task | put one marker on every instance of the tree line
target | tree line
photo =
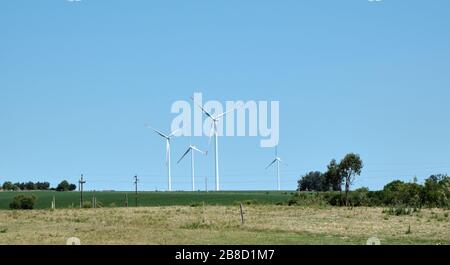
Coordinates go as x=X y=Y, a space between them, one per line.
x=34 y=186
x=327 y=186
x=337 y=175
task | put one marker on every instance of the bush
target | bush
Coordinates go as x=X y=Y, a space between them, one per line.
x=23 y=202
x=196 y=204
x=308 y=198
x=359 y=197
x=87 y=204
x=401 y=210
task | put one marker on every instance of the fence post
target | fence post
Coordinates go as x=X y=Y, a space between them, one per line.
x=242 y=213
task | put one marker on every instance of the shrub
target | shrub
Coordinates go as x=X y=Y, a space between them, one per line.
x=399 y=210
x=308 y=198
x=23 y=202
x=196 y=204
x=87 y=204
x=359 y=197
x=333 y=198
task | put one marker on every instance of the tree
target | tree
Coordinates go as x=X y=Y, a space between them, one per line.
x=20 y=186
x=30 y=186
x=397 y=192
x=333 y=176
x=350 y=167
x=42 y=185
x=66 y=186
x=63 y=186
x=72 y=187
x=313 y=181
x=436 y=191
x=8 y=186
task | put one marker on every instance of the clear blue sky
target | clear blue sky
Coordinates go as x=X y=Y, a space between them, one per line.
x=78 y=81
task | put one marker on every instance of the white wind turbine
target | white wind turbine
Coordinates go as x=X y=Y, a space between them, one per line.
x=277 y=161
x=215 y=120
x=167 y=138
x=192 y=149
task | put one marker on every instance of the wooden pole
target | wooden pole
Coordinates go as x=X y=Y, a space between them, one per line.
x=242 y=213
x=136 y=190
x=81 y=182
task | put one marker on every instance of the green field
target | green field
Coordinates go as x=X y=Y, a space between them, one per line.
x=117 y=199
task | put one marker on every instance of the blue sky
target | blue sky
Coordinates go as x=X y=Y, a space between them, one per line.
x=78 y=82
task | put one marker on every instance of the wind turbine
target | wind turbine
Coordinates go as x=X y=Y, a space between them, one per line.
x=215 y=120
x=167 y=138
x=277 y=161
x=192 y=149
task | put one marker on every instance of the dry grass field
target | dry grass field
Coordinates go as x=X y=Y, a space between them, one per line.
x=268 y=224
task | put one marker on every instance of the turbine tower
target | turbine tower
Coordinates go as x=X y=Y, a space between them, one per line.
x=277 y=160
x=192 y=149
x=215 y=119
x=167 y=138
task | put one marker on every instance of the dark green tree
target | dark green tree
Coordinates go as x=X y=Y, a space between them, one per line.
x=313 y=181
x=42 y=185
x=63 y=186
x=72 y=187
x=8 y=186
x=350 y=167
x=436 y=190
x=333 y=176
x=30 y=186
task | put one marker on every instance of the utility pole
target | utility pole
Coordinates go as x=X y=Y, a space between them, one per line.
x=136 y=189
x=80 y=186
x=94 y=201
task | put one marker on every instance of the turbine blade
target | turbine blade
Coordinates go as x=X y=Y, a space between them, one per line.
x=184 y=155
x=158 y=132
x=198 y=150
x=225 y=113
x=273 y=162
x=173 y=133
x=239 y=105
x=204 y=111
